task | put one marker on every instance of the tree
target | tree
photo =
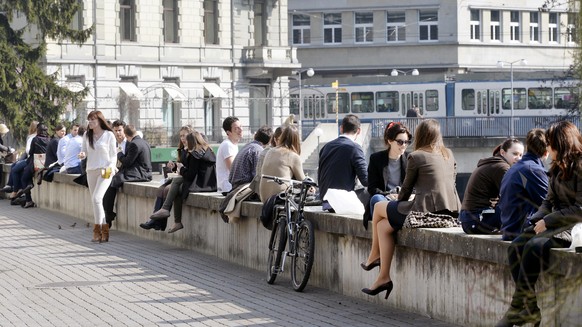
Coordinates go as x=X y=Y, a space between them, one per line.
x=27 y=92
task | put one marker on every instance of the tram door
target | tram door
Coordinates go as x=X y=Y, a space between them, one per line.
x=418 y=101
x=488 y=102
x=314 y=107
x=412 y=99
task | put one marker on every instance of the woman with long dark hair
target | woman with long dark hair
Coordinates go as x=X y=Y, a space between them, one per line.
x=99 y=147
x=550 y=227
x=430 y=172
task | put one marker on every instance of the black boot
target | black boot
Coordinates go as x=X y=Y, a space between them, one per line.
x=148 y=225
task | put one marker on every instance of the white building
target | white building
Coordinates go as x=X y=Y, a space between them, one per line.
x=444 y=37
x=167 y=63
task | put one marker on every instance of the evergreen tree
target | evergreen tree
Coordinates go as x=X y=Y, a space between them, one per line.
x=27 y=92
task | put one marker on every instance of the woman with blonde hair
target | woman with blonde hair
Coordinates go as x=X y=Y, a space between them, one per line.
x=431 y=173
x=282 y=161
x=99 y=147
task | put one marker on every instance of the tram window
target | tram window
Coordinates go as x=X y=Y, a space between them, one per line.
x=343 y=103
x=479 y=107
x=294 y=104
x=483 y=104
x=432 y=100
x=566 y=97
x=539 y=98
x=362 y=102
x=387 y=101
x=318 y=105
x=467 y=99
x=405 y=106
x=519 y=98
x=307 y=107
x=496 y=101
x=421 y=103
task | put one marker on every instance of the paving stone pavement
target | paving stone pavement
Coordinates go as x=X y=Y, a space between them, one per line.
x=52 y=275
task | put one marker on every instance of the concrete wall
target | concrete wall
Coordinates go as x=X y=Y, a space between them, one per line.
x=441 y=273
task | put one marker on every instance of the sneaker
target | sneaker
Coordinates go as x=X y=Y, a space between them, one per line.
x=29 y=204
x=6 y=189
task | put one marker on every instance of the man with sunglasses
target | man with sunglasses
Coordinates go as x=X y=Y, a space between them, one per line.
x=342 y=160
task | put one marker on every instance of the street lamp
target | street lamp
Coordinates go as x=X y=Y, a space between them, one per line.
x=309 y=72
x=501 y=64
x=395 y=72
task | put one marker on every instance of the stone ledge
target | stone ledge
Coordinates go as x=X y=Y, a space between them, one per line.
x=451 y=241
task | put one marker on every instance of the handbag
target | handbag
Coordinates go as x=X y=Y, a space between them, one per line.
x=417 y=219
x=39 y=161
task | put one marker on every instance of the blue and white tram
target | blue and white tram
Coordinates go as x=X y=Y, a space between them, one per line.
x=439 y=99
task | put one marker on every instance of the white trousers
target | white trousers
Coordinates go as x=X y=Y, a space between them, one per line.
x=97 y=188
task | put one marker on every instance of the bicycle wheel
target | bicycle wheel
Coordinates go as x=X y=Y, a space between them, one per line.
x=302 y=260
x=276 y=248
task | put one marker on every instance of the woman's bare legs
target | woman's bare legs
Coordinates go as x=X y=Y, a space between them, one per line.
x=379 y=214
x=386 y=245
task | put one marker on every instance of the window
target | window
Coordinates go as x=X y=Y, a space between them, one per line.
x=475 y=25
x=539 y=98
x=566 y=98
x=210 y=22
x=519 y=98
x=495 y=25
x=553 y=27
x=362 y=102
x=343 y=103
x=364 y=27
x=534 y=26
x=259 y=22
x=468 y=99
x=332 y=28
x=428 y=24
x=77 y=20
x=127 y=20
x=387 y=101
x=395 y=26
x=514 y=22
x=432 y=100
x=301 y=29
x=572 y=22
x=170 y=21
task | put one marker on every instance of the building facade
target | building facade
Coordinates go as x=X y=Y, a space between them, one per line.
x=442 y=37
x=161 y=64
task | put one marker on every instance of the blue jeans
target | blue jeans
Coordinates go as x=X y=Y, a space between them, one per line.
x=478 y=222
x=15 y=176
x=375 y=199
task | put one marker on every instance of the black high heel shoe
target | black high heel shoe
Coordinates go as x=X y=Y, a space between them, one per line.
x=371 y=266
x=384 y=287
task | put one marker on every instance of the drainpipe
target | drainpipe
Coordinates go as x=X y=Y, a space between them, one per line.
x=95 y=52
x=232 y=52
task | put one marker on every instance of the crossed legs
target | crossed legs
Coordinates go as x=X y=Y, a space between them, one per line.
x=382 y=243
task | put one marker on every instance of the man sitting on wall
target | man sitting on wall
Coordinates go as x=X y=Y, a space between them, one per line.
x=244 y=166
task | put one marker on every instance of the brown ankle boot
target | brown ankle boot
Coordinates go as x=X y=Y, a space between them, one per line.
x=96 y=233
x=105 y=233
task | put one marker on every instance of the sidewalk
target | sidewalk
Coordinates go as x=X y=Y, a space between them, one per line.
x=52 y=275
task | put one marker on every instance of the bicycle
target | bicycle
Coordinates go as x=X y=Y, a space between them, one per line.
x=290 y=225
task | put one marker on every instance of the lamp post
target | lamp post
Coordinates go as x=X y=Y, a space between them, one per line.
x=395 y=72
x=501 y=64
x=309 y=72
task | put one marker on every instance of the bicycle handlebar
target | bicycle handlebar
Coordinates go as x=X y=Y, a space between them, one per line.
x=280 y=180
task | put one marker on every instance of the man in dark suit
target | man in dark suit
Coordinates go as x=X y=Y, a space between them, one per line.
x=342 y=159
x=136 y=166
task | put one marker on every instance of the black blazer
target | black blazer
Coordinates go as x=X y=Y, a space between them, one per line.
x=376 y=181
x=199 y=172
x=136 y=164
x=340 y=161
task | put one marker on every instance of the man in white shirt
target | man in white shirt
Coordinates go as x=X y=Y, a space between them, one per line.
x=62 y=146
x=71 y=161
x=227 y=151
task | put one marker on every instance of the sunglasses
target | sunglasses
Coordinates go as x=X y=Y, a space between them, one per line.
x=402 y=142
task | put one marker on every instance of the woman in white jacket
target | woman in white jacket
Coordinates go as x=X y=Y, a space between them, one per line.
x=100 y=149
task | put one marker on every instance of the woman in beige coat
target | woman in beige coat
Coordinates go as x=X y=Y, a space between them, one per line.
x=431 y=173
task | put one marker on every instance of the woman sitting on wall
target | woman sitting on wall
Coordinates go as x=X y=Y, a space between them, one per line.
x=550 y=227
x=171 y=166
x=198 y=174
x=431 y=172
x=479 y=212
